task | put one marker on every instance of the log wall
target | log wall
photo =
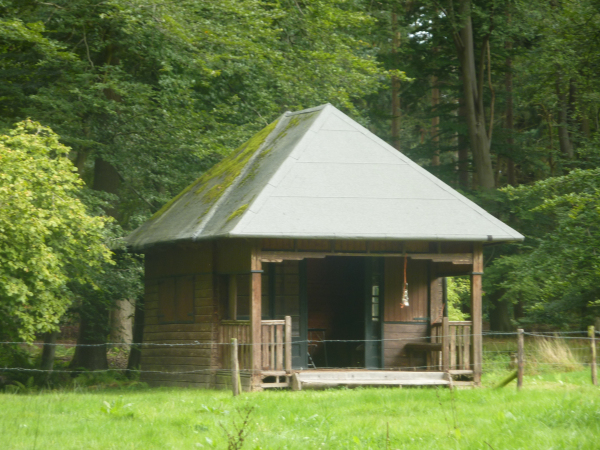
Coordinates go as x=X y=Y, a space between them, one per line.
x=404 y=324
x=195 y=359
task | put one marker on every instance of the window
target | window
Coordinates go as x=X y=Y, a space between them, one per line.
x=176 y=300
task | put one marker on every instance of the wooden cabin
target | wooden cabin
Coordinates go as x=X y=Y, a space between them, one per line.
x=304 y=244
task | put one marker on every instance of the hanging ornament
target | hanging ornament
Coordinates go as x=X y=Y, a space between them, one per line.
x=405 y=294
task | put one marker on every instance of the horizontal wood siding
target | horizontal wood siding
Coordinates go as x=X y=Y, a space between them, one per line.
x=223 y=380
x=193 y=363
x=233 y=255
x=366 y=246
x=396 y=337
x=394 y=290
x=177 y=260
x=278 y=244
x=456 y=247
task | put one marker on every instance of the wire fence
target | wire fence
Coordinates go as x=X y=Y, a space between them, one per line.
x=555 y=351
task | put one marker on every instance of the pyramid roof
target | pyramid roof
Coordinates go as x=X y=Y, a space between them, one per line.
x=318 y=174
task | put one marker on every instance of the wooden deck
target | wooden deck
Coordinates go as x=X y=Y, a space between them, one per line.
x=362 y=377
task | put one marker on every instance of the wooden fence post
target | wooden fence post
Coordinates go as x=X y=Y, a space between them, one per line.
x=520 y=359
x=235 y=369
x=592 y=335
x=288 y=344
x=445 y=344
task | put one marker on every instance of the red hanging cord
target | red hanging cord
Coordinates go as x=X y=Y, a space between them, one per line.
x=404 y=287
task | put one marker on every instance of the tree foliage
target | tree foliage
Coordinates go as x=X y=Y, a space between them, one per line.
x=47 y=237
x=149 y=94
x=557 y=273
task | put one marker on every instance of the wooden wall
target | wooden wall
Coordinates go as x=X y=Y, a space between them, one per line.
x=404 y=324
x=417 y=276
x=396 y=337
x=207 y=263
x=364 y=246
x=174 y=261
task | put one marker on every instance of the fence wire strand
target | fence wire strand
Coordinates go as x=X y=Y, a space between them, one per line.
x=529 y=355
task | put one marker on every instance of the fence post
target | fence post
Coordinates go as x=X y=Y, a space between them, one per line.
x=288 y=344
x=592 y=335
x=445 y=344
x=520 y=359
x=235 y=368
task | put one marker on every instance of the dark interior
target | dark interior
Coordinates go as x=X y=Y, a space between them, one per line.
x=335 y=291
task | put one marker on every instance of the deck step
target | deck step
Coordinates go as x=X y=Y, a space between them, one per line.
x=275 y=385
x=368 y=378
x=460 y=372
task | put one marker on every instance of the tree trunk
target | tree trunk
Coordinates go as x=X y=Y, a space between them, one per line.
x=107 y=179
x=48 y=352
x=500 y=316
x=135 y=355
x=395 y=86
x=473 y=96
x=121 y=322
x=435 y=121
x=511 y=177
x=566 y=148
x=463 y=149
x=94 y=326
x=90 y=352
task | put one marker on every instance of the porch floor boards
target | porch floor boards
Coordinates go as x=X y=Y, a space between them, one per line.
x=332 y=378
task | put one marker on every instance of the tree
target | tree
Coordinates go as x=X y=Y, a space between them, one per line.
x=556 y=273
x=47 y=237
x=149 y=94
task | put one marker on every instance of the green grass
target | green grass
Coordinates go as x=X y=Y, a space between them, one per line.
x=559 y=411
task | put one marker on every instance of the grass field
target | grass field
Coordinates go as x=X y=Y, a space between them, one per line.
x=554 y=411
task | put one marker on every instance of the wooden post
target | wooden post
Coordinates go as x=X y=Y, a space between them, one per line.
x=235 y=368
x=232 y=288
x=476 y=312
x=256 y=317
x=288 y=344
x=592 y=335
x=445 y=344
x=520 y=359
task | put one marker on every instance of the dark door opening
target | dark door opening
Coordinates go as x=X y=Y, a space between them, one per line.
x=335 y=290
x=284 y=294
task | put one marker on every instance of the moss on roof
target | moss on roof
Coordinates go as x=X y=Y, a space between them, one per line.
x=212 y=184
x=238 y=212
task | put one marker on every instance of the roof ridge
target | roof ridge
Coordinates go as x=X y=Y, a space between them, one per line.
x=449 y=189
x=317 y=121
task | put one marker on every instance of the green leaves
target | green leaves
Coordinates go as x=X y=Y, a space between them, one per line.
x=558 y=271
x=47 y=238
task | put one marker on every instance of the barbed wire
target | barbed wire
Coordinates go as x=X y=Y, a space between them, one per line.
x=530 y=355
x=546 y=335
x=261 y=371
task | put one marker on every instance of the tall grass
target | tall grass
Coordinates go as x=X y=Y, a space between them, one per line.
x=552 y=354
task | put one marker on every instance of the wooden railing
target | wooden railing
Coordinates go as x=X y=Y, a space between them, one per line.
x=275 y=345
x=239 y=329
x=457 y=344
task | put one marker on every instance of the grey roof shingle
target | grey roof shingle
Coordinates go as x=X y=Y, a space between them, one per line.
x=318 y=174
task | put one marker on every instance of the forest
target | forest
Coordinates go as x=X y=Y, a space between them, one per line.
x=109 y=108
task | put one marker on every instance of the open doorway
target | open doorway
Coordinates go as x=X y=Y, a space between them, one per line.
x=335 y=288
x=334 y=303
